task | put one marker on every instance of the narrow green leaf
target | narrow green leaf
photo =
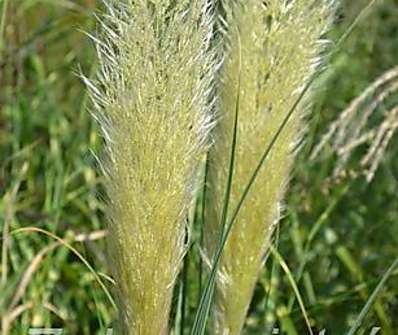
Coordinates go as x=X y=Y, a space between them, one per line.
x=372 y=298
x=293 y=284
x=202 y=314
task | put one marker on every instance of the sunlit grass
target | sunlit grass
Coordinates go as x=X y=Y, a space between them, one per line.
x=44 y=125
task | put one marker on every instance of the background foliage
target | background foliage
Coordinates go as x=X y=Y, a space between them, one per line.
x=48 y=179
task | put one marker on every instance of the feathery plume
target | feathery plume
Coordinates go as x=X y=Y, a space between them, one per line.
x=151 y=98
x=359 y=125
x=272 y=50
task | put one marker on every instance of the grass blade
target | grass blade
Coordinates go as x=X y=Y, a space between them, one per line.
x=353 y=25
x=372 y=298
x=203 y=218
x=292 y=282
x=202 y=314
x=74 y=251
x=269 y=148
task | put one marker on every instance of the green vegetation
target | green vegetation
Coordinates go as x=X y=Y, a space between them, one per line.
x=336 y=240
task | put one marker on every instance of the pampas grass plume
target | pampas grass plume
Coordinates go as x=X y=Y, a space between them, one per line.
x=272 y=50
x=151 y=98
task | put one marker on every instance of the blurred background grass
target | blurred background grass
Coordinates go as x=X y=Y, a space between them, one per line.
x=49 y=180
